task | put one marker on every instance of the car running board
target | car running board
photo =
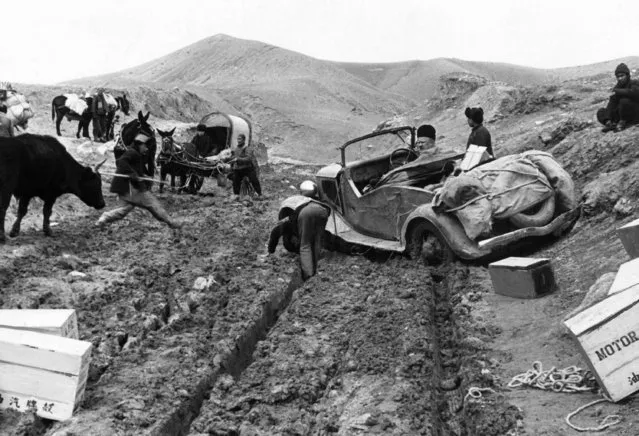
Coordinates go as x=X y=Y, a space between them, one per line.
x=338 y=227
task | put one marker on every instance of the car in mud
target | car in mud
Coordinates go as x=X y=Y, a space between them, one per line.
x=384 y=196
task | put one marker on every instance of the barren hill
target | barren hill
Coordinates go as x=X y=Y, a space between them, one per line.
x=302 y=107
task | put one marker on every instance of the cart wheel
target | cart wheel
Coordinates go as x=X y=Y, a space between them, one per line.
x=194 y=184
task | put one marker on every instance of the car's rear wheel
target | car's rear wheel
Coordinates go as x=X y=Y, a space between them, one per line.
x=427 y=245
x=535 y=216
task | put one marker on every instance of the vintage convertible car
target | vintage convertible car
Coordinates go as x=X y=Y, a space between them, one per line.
x=382 y=195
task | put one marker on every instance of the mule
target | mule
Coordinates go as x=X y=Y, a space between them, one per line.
x=172 y=159
x=59 y=111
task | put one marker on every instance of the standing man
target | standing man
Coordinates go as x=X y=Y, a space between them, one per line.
x=99 y=110
x=133 y=192
x=6 y=125
x=309 y=222
x=623 y=105
x=245 y=165
x=479 y=134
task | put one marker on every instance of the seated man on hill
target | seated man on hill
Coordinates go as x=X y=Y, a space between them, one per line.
x=204 y=143
x=623 y=105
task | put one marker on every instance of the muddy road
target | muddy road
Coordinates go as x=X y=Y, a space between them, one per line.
x=198 y=332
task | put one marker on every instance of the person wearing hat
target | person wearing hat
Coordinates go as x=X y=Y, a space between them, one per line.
x=479 y=134
x=204 y=143
x=623 y=105
x=425 y=143
x=132 y=191
x=244 y=164
x=303 y=230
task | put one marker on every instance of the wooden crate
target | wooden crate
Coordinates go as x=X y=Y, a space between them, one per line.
x=59 y=322
x=43 y=373
x=522 y=277
x=608 y=335
x=629 y=236
x=627 y=276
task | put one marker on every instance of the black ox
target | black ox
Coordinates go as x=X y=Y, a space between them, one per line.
x=40 y=166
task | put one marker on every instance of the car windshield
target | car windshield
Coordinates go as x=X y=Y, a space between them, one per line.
x=376 y=146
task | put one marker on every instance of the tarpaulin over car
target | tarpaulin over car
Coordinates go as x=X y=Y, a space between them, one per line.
x=504 y=188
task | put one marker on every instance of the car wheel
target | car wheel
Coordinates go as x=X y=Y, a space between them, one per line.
x=535 y=216
x=426 y=244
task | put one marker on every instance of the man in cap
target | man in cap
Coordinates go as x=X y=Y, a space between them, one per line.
x=204 y=143
x=132 y=191
x=245 y=165
x=623 y=105
x=303 y=230
x=479 y=134
x=425 y=143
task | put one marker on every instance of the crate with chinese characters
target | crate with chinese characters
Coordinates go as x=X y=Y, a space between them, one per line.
x=59 y=322
x=42 y=373
x=608 y=336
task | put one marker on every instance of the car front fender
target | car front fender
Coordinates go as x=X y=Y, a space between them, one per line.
x=450 y=230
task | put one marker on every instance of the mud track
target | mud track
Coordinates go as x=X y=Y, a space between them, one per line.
x=373 y=343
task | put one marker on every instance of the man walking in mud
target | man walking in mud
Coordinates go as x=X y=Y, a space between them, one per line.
x=309 y=222
x=133 y=192
x=623 y=105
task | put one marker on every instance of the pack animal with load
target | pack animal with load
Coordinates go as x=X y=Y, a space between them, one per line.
x=18 y=108
x=40 y=166
x=76 y=108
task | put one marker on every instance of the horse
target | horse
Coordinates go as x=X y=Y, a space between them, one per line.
x=129 y=131
x=59 y=110
x=124 y=106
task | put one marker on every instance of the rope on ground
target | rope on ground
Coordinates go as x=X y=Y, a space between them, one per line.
x=476 y=393
x=608 y=421
x=569 y=379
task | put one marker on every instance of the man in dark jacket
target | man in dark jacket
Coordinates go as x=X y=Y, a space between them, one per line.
x=309 y=222
x=204 y=143
x=133 y=192
x=99 y=110
x=479 y=134
x=623 y=105
x=245 y=165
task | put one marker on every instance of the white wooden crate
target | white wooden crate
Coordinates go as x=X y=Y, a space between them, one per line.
x=59 y=322
x=43 y=373
x=608 y=335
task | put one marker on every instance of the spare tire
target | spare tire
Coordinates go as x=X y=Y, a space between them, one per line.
x=535 y=216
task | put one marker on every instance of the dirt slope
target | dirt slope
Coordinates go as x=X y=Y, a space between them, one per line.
x=364 y=346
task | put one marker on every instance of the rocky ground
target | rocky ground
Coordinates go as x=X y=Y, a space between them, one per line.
x=199 y=332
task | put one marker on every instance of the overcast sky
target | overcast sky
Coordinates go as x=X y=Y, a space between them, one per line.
x=48 y=41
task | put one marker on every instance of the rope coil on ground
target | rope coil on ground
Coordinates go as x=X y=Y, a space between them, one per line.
x=569 y=379
x=608 y=421
x=477 y=393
